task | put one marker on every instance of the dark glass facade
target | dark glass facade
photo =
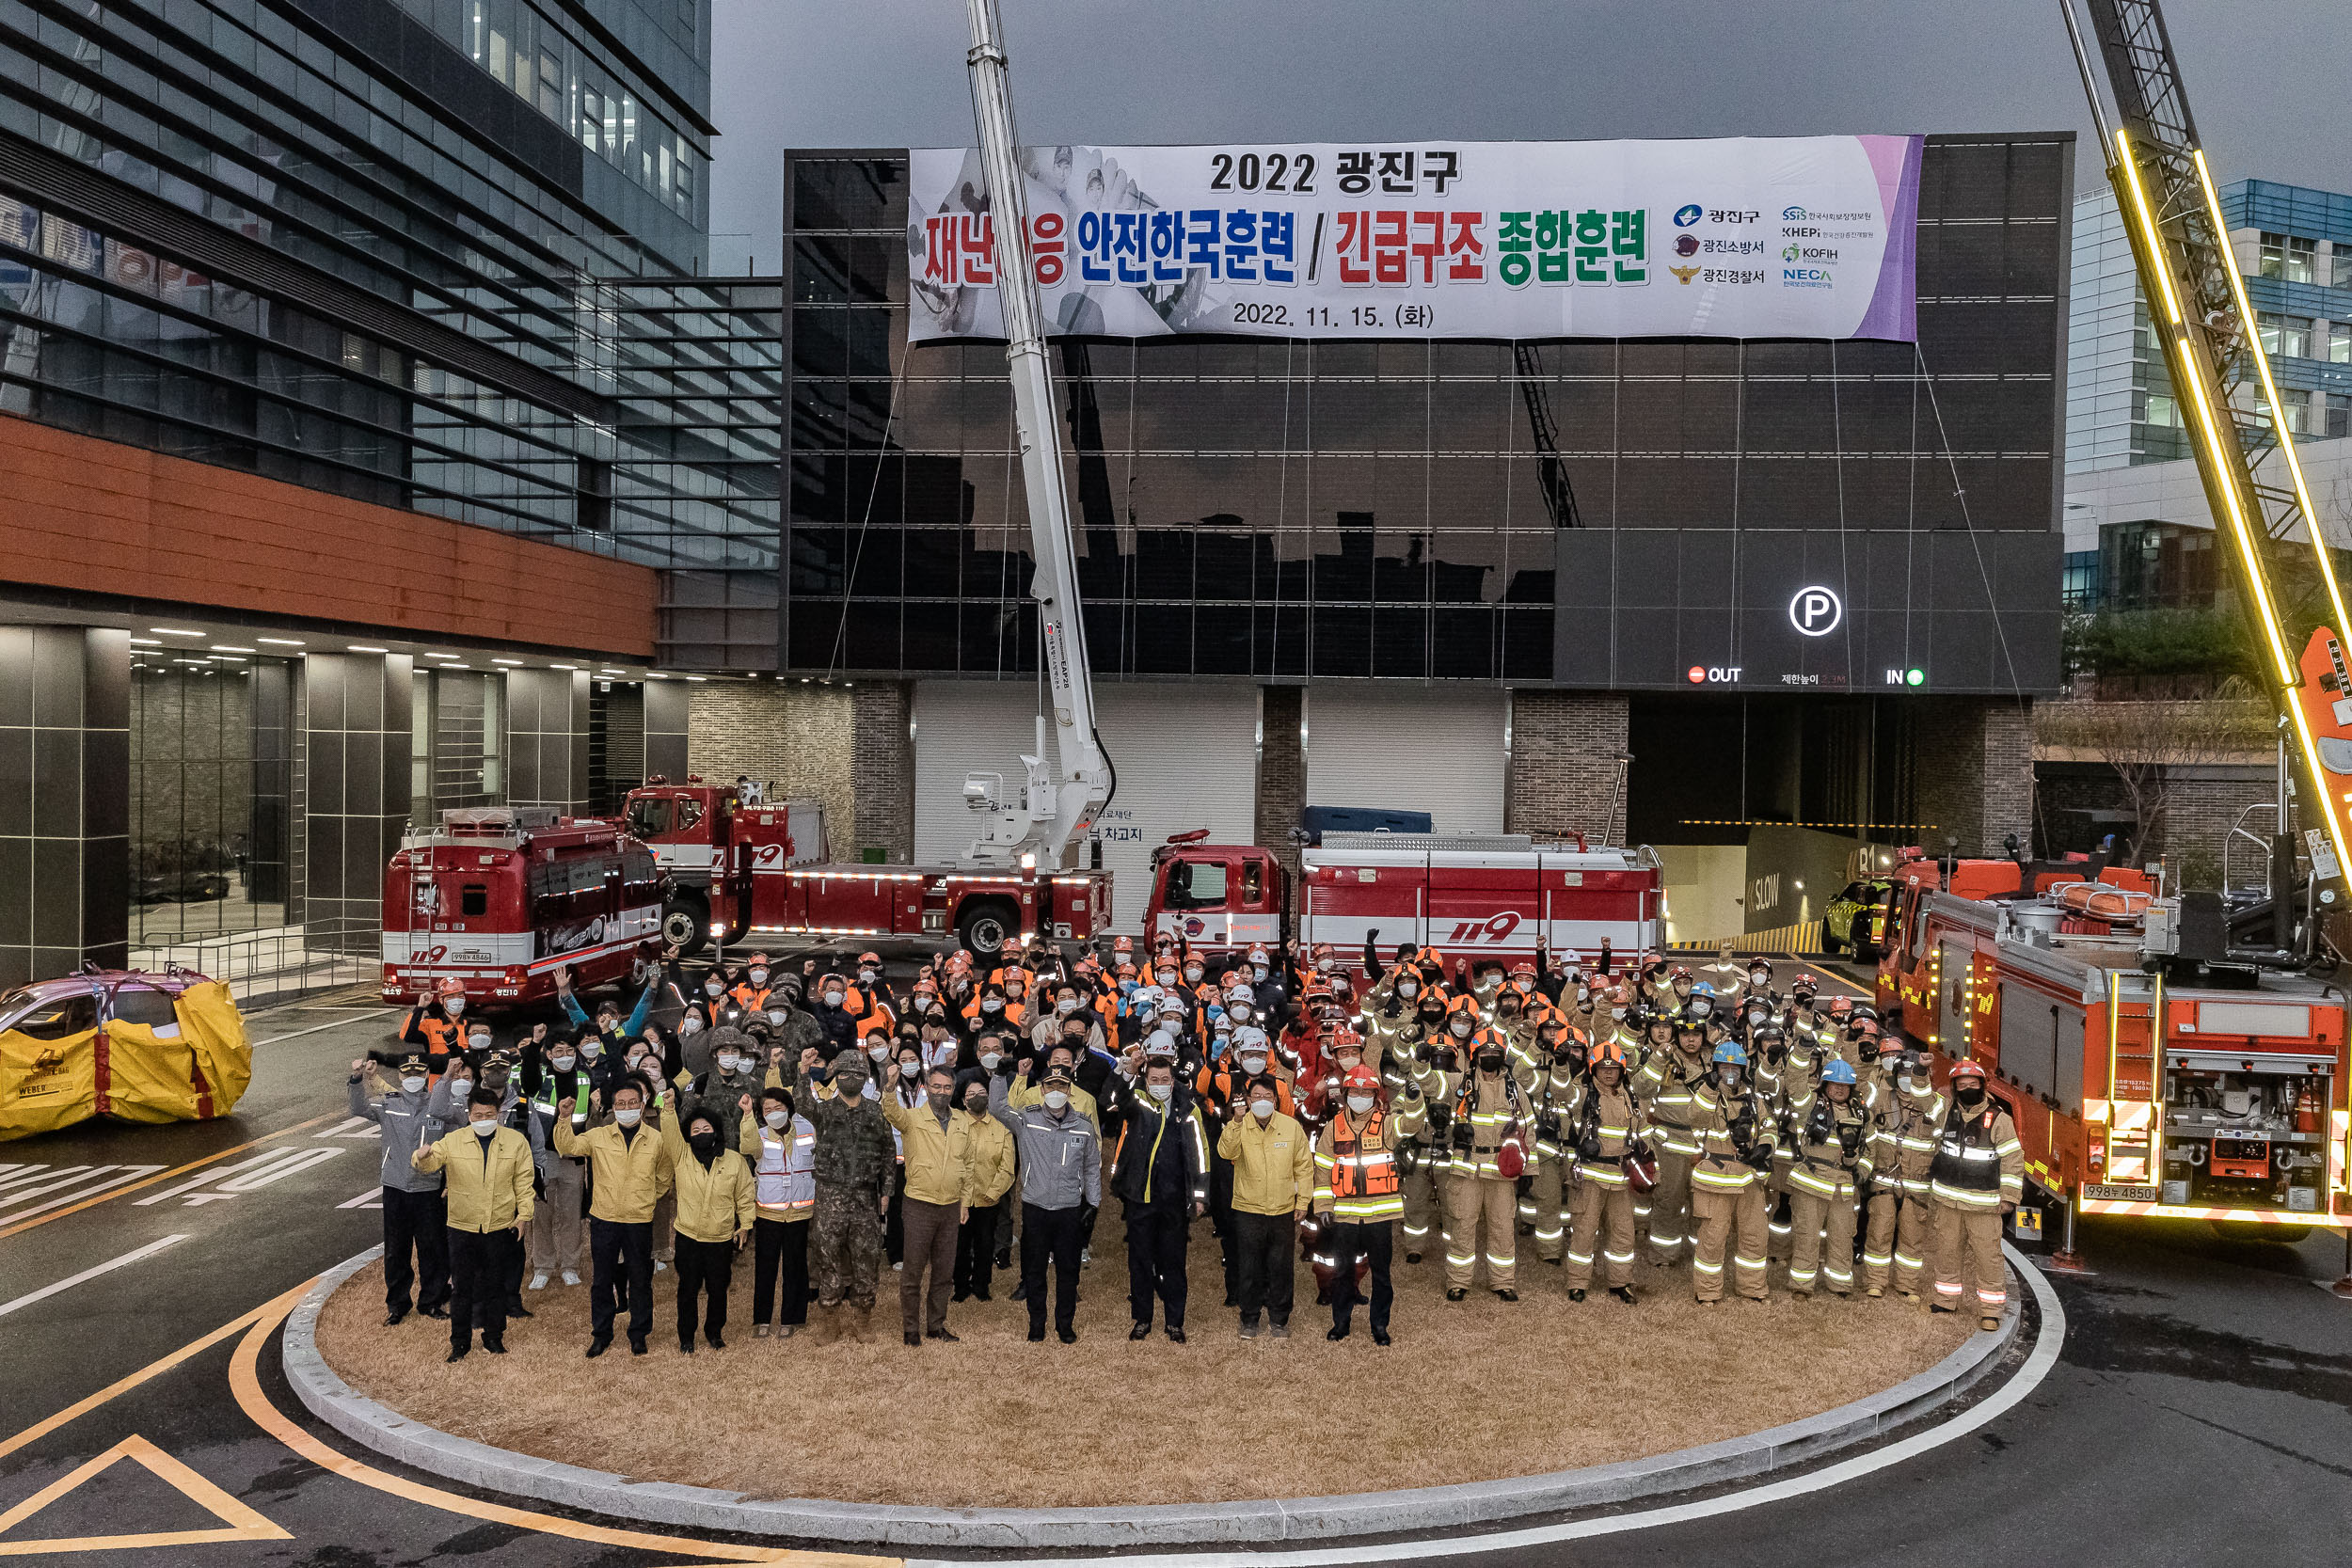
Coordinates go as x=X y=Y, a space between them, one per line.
x=402 y=250
x=1434 y=509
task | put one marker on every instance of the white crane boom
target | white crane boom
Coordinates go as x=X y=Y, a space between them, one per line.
x=1060 y=807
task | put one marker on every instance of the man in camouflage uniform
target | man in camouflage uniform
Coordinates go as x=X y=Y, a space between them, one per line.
x=853 y=1163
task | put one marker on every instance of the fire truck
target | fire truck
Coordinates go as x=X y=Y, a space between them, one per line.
x=2151 y=1069
x=500 y=896
x=1491 y=896
x=755 y=871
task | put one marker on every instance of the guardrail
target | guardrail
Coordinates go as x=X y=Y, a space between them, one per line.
x=278 y=963
x=1800 y=941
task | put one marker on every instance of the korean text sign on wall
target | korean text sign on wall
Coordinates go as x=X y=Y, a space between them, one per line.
x=1748 y=237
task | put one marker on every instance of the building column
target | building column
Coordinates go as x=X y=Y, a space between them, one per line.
x=1973 y=772
x=1565 y=775
x=881 y=769
x=668 y=718
x=273 y=733
x=1281 y=772
x=356 y=774
x=65 y=800
x=546 y=739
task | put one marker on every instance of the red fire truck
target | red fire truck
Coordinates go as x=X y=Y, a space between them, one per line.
x=2148 y=1073
x=757 y=872
x=1483 y=895
x=499 y=896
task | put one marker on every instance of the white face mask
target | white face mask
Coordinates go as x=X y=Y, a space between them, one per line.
x=1237 y=1011
x=592 y=1050
x=460 y=1088
x=1159 y=1091
x=628 y=1115
x=833 y=998
x=1258 y=970
x=1408 y=989
x=992 y=1004
x=775 y=1118
x=689 y=1025
x=1253 y=1065
x=1262 y=1108
x=1194 y=972
x=866 y=975
x=1461 y=1027
x=776 y=1016
x=479 y=1039
x=1066 y=1005
x=728 y=1061
x=988 y=1060
x=1055 y=1099
x=412 y=1081
x=483 y=1128
x=759 y=976
x=711 y=987
x=1360 y=1104
x=1171 y=1028
x=1323 y=966
x=563 y=1064
x=878 y=1052
x=455 y=1007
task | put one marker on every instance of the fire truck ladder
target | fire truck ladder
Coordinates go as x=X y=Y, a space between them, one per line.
x=1551 y=475
x=2197 y=299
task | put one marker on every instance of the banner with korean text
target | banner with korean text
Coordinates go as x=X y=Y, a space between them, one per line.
x=1744 y=237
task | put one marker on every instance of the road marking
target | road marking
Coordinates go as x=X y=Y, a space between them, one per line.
x=371 y=1198
x=353 y=1127
x=314 y=1029
x=238 y=1522
x=24 y=1225
x=245 y=1383
x=280 y=1306
x=247 y=1176
x=2038 y=1364
x=150 y=1250
x=82 y=1178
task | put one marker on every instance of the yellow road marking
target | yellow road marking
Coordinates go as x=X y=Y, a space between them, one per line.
x=163 y=1176
x=246 y=1385
x=240 y=1523
x=40 y=1429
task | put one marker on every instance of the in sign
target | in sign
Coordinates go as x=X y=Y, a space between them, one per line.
x=1816 y=611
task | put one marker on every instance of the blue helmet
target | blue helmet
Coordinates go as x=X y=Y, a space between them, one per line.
x=1838 y=1072
x=1732 y=1052
x=1705 y=987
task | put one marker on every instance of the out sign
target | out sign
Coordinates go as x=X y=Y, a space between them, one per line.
x=1816 y=611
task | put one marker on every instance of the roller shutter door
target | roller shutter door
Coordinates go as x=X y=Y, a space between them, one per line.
x=1187 y=757
x=1408 y=750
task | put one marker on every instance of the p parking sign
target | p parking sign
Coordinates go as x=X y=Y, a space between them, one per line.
x=1816 y=611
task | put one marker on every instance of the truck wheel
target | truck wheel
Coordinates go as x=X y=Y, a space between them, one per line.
x=685 y=924
x=1829 y=943
x=988 y=927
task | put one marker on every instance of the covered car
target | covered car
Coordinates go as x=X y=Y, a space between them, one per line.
x=122 y=1043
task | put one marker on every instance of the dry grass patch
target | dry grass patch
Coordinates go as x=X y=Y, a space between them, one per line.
x=1477 y=1391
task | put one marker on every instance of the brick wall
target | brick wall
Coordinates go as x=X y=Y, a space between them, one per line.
x=881 y=768
x=793 y=737
x=1974 y=772
x=95 y=516
x=1281 y=773
x=1563 y=769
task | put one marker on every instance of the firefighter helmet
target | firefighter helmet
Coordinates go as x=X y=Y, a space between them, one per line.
x=1732 y=1052
x=1759 y=962
x=1838 y=1072
x=1840 y=1006
x=1967 y=1067
x=1344 y=1039
x=1248 y=1038
x=450 y=986
x=1362 y=1077
x=1609 y=1051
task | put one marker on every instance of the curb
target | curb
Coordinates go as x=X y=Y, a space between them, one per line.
x=1421 y=1508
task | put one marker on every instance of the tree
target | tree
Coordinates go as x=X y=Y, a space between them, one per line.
x=2144 y=742
x=2204 y=644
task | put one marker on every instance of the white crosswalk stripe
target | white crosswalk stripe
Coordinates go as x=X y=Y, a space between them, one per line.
x=23 y=1186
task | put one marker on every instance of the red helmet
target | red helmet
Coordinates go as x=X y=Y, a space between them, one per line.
x=1840 y=1006
x=452 y=986
x=1362 y=1077
x=869 y=958
x=1346 y=1040
x=1965 y=1068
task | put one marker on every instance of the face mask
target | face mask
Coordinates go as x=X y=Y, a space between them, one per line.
x=848 y=1085
x=1238 y=1012
x=1348 y=1060
x=1461 y=1028
x=1757 y=978
x=1408 y=989
x=412 y=1081
x=628 y=1115
x=728 y=1061
x=866 y=975
x=689 y=1025
x=1616 y=1012
x=1066 y=1005
x=1193 y=973
x=483 y=1128
x=878 y=1052
x=455 y=1007
x=1323 y=966
x=992 y=1004
x=775 y=1118
x=1168 y=979
x=1055 y=1099
x=1360 y=1104
x=479 y=1039
x=1253 y=1065
x=1171 y=1027
x=460 y=1088
x=1972 y=1095
x=988 y=1060
x=704 y=1145
x=1490 y=1061
x=563 y=1063
x=1262 y=1108
x=976 y=1106
x=1159 y=1091
x=592 y=1050
x=1258 y=970
x=940 y=1099
x=711 y=989
x=910 y=1070
x=608 y=1021
x=759 y=976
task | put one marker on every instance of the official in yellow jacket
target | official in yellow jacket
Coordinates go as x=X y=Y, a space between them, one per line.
x=1274 y=1185
x=988 y=1177
x=716 y=1202
x=486 y=1167
x=629 y=1170
x=938 y=1147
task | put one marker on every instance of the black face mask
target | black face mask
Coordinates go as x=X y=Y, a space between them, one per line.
x=1973 y=1096
x=705 y=1146
x=1490 y=1061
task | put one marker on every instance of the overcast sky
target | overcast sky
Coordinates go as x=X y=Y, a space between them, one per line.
x=2265 y=77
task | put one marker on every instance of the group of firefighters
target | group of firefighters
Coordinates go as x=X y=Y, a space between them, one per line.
x=825 y=1120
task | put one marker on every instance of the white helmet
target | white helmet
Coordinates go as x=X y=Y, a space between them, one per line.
x=1248 y=1035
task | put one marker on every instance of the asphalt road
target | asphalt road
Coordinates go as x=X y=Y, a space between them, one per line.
x=2202 y=1410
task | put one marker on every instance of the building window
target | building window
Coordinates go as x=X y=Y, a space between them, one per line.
x=2289 y=258
x=2284 y=336
x=2162 y=409
x=2341 y=273
x=2079 y=588
x=2340 y=343
x=2295 y=407
x=2338 y=416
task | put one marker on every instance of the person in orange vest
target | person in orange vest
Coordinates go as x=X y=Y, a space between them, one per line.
x=1360 y=1191
x=437 y=1024
x=752 y=994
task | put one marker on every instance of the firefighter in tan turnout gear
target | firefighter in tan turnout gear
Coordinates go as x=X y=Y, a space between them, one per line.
x=1977 y=1175
x=1667 y=1087
x=1831 y=1148
x=1598 y=1124
x=1737 y=1134
x=1902 y=1230
x=1487 y=1130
